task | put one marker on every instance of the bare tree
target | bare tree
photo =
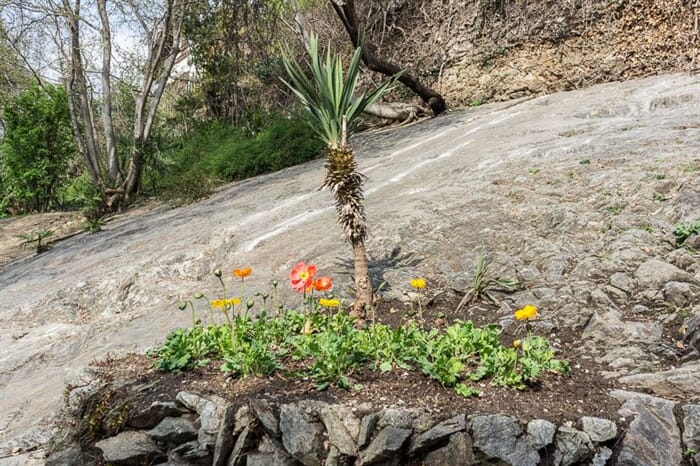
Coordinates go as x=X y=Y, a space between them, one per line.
x=345 y=9
x=73 y=27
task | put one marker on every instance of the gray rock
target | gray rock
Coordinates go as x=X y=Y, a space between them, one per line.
x=263 y=411
x=69 y=455
x=130 y=448
x=653 y=437
x=499 y=436
x=190 y=454
x=338 y=434
x=540 y=433
x=244 y=416
x=691 y=427
x=151 y=416
x=367 y=426
x=679 y=293
x=602 y=456
x=458 y=451
x=654 y=274
x=244 y=443
x=301 y=434
x=692 y=329
x=336 y=458
x=223 y=443
x=386 y=445
x=598 y=429
x=623 y=281
x=270 y=453
x=438 y=433
x=402 y=418
x=610 y=328
x=679 y=381
x=191 y=401
x=572 y=447
x=173 y=431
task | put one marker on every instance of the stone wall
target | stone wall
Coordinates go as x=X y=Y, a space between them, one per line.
x=207 y=430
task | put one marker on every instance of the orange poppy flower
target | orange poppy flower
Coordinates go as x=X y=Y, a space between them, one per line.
x=242 y=273
x=302 y=276
x=322 y=284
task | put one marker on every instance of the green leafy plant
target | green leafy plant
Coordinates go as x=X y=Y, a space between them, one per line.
x=658 y=197
x=36 y=240
x=477 y=101
x=484 y=285
x=585 y=161
x=324 y=345
x=685 y=230
x=533 y=171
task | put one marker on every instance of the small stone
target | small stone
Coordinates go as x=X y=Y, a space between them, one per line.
x=367 y=426
x=244 y=443
x=387 y=444
x=602 y=456
x=500 y=436
x=190 y=454
x=438 y=433
x=691 y=427
x=151 y=416
x=130 y=448
x=679 y=381
x=679 y=293
x=654 y=274
x=653 y=436
x=191 y=401
x=622 y=281
x=598 y=429
x=244 y=416
x=263 y=411
x=338 y=434
x=173 y=431
x=573 y=447
x=540 y=433
x=301 y=436
x=458 y=451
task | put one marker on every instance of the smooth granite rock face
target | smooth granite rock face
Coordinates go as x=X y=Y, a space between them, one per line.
x=653 y=436
x=173 y=431
x=540 y=433
x=599 y=430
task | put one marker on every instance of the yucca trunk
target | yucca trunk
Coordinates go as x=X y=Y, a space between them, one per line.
x=345 y=182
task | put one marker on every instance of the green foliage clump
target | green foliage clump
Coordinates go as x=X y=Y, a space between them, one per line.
x=215 y=153
x=328 y=349
x=683 y=231
x=37 y=148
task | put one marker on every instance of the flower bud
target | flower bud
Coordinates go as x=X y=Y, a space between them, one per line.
x=249 y=303
x=182 y=305
x=198 y=295
x=217 y=273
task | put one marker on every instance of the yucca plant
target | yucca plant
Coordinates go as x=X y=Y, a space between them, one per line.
x=328 y=97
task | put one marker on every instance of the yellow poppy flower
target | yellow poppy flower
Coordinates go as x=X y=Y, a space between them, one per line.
x=329 y=302
x=417 y=283
x=527 y=312
x=221 y=303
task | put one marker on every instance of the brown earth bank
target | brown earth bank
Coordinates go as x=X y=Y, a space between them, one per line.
x=479 y=51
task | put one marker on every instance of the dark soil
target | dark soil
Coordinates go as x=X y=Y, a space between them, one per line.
x=557 y=398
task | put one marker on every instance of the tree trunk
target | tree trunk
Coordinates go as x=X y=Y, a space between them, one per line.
x=113 y=169
x=363 y=286
x=346 y=12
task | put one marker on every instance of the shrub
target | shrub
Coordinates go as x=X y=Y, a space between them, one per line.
x=216 y=153
x=37 y=148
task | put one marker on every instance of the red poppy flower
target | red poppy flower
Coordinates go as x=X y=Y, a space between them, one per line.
x=302 y=276
x=322 y=284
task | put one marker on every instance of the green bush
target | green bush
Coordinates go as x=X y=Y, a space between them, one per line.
x=216 y=153
x=37 y=148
